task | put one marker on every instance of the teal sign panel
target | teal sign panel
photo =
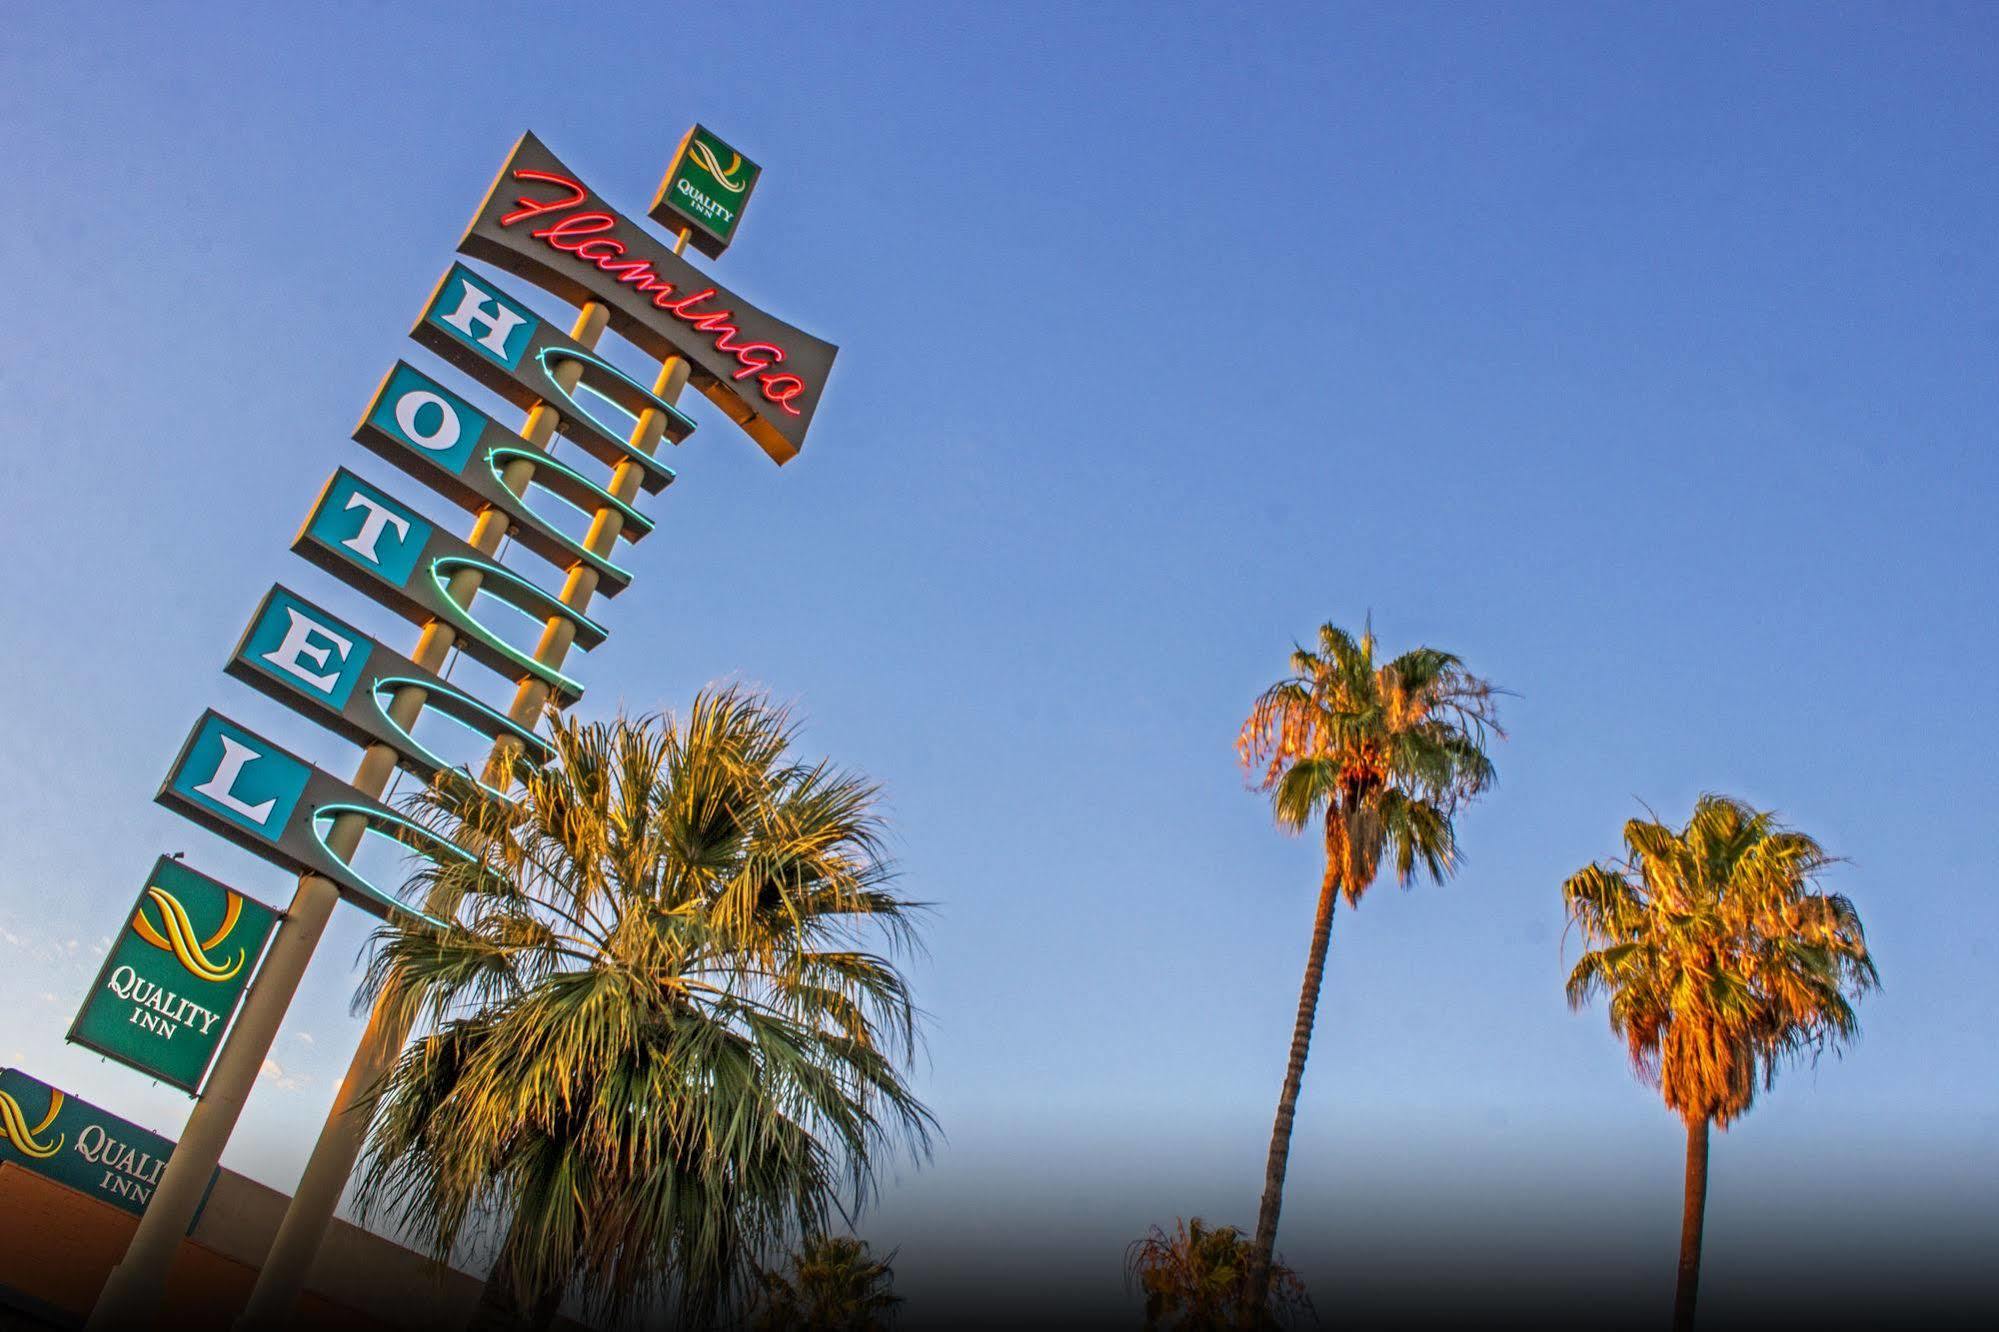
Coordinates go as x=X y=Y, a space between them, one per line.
x=325 y=669
x=304 y=648
x=421 y=427
x=229 y=773
x=369 y=540
x=170 y=986
x=74 y=1143
x=272 y=803
x=477 y=316
x=527 y=376
x=365 y=527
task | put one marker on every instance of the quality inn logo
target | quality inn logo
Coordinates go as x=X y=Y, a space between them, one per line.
x=705 y=191
x=176 y=934
x=14 y=1127
x=164 y=995
x=732 y=177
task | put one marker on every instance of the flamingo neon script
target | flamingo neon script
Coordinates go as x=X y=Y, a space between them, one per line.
x=583 y=235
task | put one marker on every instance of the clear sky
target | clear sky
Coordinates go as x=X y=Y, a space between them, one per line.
x=1643 y=355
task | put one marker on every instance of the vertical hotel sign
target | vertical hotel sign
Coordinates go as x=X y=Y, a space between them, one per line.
x=166 y=993
x=538 y=222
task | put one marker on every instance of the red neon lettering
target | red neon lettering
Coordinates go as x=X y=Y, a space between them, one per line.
x=582 y=234
x=750 y=367
x=530 y=208
x=558 y=234
x=679 y=307
x=781 y=389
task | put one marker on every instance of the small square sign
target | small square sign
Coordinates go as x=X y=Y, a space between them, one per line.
x=705 y=191
x=167 y=992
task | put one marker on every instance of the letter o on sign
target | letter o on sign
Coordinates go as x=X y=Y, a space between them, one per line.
x=410 y=415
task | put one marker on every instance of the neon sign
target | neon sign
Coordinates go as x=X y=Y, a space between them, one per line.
x=541 y=222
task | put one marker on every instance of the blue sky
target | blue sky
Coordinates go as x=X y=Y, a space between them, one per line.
x=1642 y=356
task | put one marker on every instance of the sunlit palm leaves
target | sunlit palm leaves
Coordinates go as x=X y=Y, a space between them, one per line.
x=1380 y=755
x=669 y=1032
x=1718 y=959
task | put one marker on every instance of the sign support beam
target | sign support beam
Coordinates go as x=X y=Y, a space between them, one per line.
x=311 y=1210
x=342 y=1137
x=131 y=1293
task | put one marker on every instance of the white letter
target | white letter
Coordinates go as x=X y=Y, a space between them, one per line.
x=499 y=322
x=415 y=401
x=123 y=977
x=90 y=1151
x=298 y=643
x=234 y=756
x=363 y=542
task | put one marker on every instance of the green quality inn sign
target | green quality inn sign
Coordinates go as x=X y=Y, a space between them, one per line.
x=164 y=996
x=72 y=1142
x=705 y=191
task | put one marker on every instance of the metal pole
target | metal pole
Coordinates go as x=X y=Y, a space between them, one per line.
x=131 y=1293
x=317 y=1197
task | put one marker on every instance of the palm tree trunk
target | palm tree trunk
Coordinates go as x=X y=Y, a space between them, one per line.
x=1287 y=1101
x=1693 y=1215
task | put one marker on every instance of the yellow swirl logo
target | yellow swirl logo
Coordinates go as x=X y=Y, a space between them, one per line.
x=705 y=155
x=14 y=1126
x=176 y=934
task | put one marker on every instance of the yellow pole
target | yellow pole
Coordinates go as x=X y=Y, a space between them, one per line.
x=131 y=1294
x=341 y=1138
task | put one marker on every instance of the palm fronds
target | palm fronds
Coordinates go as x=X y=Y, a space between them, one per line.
x=668 y=1029
x=1718 y=958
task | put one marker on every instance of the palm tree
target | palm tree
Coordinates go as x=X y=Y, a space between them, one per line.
x=836 y=1285
x=1380 y=758
x=1196 y=1279
x=1720 y=966
x=661 y=1043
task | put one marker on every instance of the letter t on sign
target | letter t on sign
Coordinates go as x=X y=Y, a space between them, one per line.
x=362 y=543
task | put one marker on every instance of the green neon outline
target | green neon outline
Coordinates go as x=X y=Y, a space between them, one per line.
x=603 y=562
x=633 y=518
x=448 y=607
x=372 y=815
x=586 y=358
x=507 y=725
x=599 y=428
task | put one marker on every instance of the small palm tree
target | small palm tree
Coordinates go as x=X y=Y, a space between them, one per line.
x=1380 y=757
x=661 y=1043
x=1196 y=1279
x=1720 y=965
x=836 y=1285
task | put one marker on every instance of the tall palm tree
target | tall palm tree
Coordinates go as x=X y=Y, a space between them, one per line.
x=662 y=1042
x=1196 y=1279
x=1721 y=964
x=1379 y=757
x=836 y=1285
